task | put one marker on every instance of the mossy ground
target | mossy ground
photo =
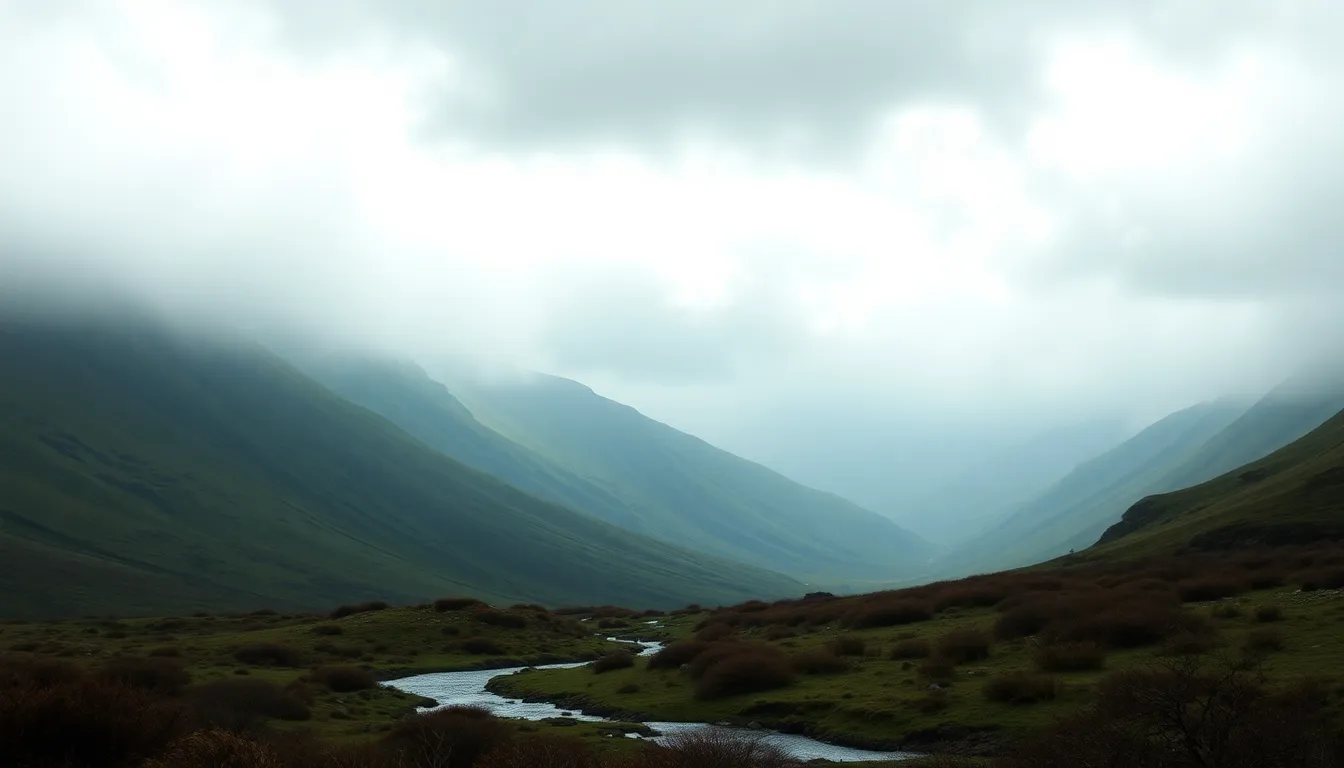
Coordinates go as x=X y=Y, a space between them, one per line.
x=884 y=700
x=394 y=642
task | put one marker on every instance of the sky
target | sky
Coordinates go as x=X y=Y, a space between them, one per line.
x=745 y=220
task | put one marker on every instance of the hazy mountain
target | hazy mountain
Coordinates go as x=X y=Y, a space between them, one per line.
x=1294 y=495
x=146 y=471
x=993 y=488
x=679 y=488
x=1094 y=494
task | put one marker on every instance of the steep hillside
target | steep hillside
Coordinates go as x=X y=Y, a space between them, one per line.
x=990 y=490
x=143 y=471
x=1294 y=495
x=678 y=488
x=1095 y=494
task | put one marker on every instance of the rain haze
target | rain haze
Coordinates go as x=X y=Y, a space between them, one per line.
x=861 y=242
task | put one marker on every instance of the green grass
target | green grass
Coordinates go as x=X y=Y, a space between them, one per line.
x=144 y=472
x=879 y=700
x=392 y=643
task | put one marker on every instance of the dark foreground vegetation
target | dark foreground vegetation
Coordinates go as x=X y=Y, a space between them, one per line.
x=1192 y=660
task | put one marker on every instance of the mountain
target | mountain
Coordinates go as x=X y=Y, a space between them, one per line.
x=1094 y=494
x=145 y=471
x=655 y=480
x=1294 y=495
x=993 y=488
x=1184 y=449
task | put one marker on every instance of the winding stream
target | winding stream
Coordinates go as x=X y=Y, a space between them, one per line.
x=468 y=688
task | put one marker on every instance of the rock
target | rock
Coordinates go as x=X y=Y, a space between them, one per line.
x=755 y=726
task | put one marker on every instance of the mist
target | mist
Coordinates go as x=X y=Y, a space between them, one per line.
x=883 y=233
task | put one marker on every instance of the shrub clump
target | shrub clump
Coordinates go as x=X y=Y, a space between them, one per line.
x=1267 y=614
x=740 y=668
x=481 y=646
x=847 y=646
x=446 y=604
x=1259 y=641
x=912 y=648
x=820 y=662
x=152 y=674
x=239 y=704
x=1020 y=688
x=344 y=679
x=962 y=645
x=328 y=630
x=269 y=655
x=496 y=618
x=355 y=608
x=891 y=614
x=1070 y=657
x=674 y=655
x=613 y=661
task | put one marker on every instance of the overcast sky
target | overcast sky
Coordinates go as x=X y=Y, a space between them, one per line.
x=716 y=212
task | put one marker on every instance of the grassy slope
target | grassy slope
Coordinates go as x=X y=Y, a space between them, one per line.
x=684 y=490
x=394 y=642
x=141 y=472
x=1294 y=494
x=879 y=701
x=1094 y=494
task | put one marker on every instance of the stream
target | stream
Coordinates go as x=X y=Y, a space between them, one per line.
x=468 y=689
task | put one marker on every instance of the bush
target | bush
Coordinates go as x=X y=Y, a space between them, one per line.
x=355 y=608
x=892 y=614
x=217 y=747
x=1189 y=643
x=86 y=721
x=628 y=688
x=166 y=652
x=820 y=662
x=152 y=674
x=344 y=679
x=913 y=648
x=1020 y=688
x=1263 y=641
x=937 y=668
x=243 y=704
x=481 y=646
x=1226 y=611
x=453 y=737
x=718 y=749
x=446 y=604
x=674 y=655
x=269 y=655
x=714 y=632
x=612 y=661
x=613 y=624
x=499 y=618
x=962 y=645
x=543 y=752
x=1070 y=657
x=332 y=649
x=1267 y=614
x=749 y=671
x=328 y=629
x=847 y=646
x=1211 y=588
x=1026 y=619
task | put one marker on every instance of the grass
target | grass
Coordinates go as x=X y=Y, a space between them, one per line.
x=337 y=670
x=881 y=698
x=146 y=473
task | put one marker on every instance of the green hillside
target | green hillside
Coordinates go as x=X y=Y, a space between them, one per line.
x=1093 y=495
x=680 y=489
x=142 y=471
x=1294 y=495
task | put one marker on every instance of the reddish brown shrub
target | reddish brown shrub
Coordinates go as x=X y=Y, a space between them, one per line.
x=269 y=655
x=481 y=646
x=86 y=722
x=847 y=646
x=913 y=648
x=243 y=704
x=612 y=661
x=937 y=668
x=1070 y=657
x=1209 y=588
x=1267 y=614
x=962 y=645
x=344 y=679
x=612 y=624
x=892 y=614
x=748 y=669
x=153 y=674
x=354 y=608
x=820 y=662
x=217 y=747
x=1260 y=641
x=499 y=618
x=446 y=604
x=674 y=655
x=714 y=632
x=543 y=752
x=1020 y=688
x=454 y=737
x=717 y=748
